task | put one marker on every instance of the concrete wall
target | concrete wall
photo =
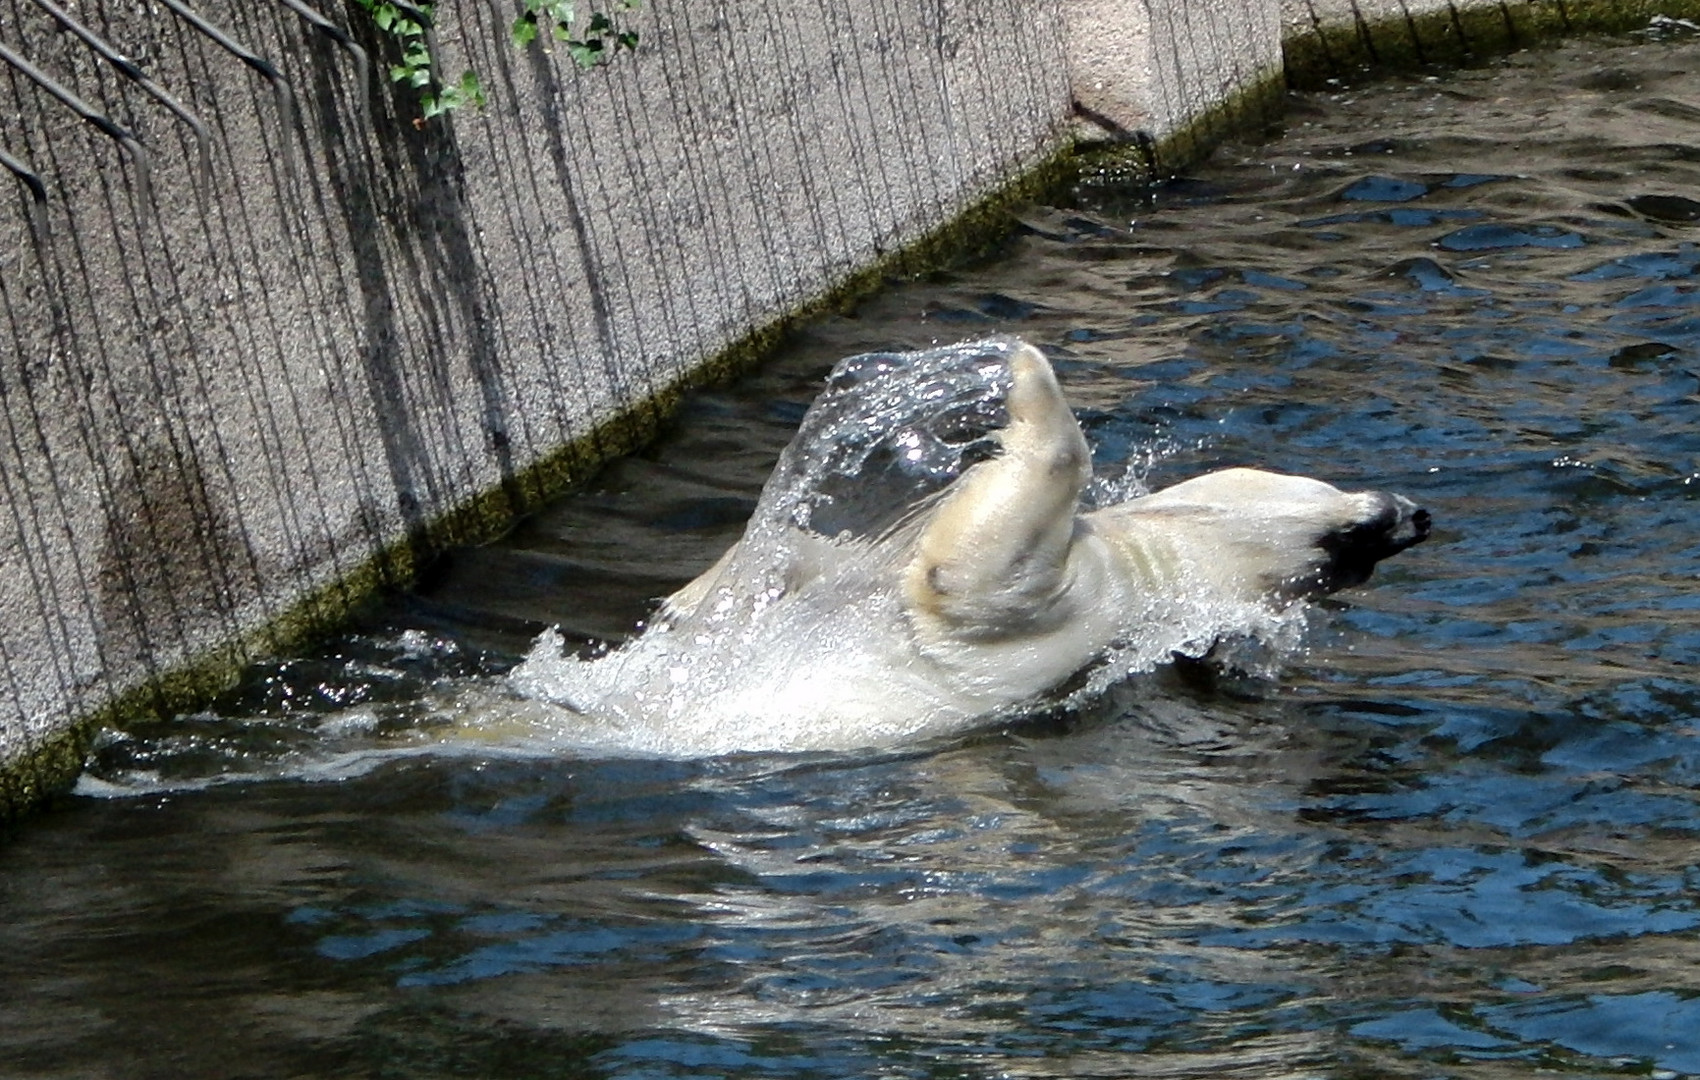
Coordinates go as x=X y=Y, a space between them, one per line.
x=232 y=404
x=1161 y=67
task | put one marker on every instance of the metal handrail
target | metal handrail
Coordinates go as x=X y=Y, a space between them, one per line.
x=280 y=86
x=340 y=36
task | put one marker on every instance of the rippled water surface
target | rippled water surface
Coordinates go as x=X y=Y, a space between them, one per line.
x=1458 y=836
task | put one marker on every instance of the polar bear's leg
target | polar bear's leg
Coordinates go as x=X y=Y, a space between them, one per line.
x=993 y=555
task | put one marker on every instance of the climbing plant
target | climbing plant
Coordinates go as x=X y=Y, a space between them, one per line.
x=599 y=40
x=590 y=37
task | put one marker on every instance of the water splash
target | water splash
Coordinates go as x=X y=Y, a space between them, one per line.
x=800 y=640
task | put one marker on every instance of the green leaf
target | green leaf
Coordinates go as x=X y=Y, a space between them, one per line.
x=561 y=32
x=525 y=32
x=469 y=89
x=400 y=72
x=585 y=53
x=384 y=17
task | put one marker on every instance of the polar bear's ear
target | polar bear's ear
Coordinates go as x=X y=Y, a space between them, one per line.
x=994 y=550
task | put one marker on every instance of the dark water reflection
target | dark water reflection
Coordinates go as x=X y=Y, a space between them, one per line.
x=1460 y=837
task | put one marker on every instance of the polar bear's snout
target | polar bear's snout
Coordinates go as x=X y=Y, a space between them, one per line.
x=1392 y=524
x=1411 y=524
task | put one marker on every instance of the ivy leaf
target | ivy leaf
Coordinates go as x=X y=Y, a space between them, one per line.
x=384 y=17
x=585 y=53
x=470 y=88
x=525 y=30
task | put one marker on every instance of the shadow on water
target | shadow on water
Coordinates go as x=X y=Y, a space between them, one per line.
x=1457 y=837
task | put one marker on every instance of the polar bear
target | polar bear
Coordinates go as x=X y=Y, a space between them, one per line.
x=975 y=602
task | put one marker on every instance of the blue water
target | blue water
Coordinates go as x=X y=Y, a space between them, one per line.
x=1459 y=836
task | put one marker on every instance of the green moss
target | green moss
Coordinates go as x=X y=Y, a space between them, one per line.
x=39 y=772
x=1147 y=161
x=1457 y=35
x=1252 y=107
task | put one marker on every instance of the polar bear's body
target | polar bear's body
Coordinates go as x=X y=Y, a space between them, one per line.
x=977 y=602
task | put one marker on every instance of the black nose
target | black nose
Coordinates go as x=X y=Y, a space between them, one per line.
x=1399 y=524
x=1420 y=522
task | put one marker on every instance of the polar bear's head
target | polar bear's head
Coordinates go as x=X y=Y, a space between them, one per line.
x=1260 y=534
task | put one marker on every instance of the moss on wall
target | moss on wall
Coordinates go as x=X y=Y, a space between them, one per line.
x=1146 y=160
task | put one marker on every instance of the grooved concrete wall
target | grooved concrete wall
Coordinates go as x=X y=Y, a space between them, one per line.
x=231 y=402
x=1334 y=40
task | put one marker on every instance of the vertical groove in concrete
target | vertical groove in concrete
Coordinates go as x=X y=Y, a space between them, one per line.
x=226 y=411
